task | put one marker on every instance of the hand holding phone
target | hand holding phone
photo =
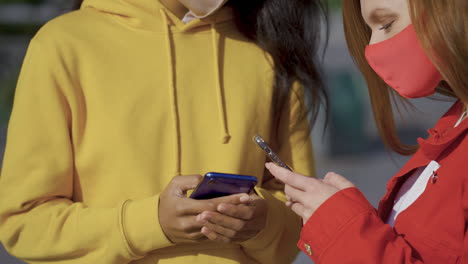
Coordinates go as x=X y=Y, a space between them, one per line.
x=178 y=213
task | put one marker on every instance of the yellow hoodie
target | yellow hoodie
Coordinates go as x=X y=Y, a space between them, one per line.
x=113 y=101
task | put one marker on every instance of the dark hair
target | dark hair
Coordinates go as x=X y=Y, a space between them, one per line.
x=290 y=32
x=76 y=4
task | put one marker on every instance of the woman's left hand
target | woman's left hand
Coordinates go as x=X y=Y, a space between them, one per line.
x=306 y=194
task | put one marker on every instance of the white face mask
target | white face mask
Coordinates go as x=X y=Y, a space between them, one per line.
x=203 y=8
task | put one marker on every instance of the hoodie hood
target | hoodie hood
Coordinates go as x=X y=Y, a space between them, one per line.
x=146 y=14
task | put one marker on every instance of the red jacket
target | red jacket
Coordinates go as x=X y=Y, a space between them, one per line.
x=347 y=229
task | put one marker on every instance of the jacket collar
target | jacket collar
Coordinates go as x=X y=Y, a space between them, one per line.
x=440 y=138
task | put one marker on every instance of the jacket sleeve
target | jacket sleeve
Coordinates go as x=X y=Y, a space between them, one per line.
x=39 y=220
x=464 y=255
x=277 y=242
x=347 y=229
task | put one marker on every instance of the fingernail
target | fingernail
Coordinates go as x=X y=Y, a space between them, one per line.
x=221 y=208
x=206 y=217
x=244 y=198
x=205 y=230
x=200 y=219
x=268 y=165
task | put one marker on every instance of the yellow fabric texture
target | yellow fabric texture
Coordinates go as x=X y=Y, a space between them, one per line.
x=116 y=99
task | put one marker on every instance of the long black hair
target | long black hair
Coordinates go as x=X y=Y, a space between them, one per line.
x=290 y=32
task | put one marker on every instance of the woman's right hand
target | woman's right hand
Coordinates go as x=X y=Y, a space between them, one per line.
x=177 y=212
x=306 y=194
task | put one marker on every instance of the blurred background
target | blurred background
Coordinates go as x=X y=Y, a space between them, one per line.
x=350 y=144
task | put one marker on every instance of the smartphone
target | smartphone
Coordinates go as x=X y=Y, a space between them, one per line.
x=270 y=153
x=216 y=184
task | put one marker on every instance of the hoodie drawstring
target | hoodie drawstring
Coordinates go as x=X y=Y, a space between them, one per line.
x=219 y=86
x=173 y=91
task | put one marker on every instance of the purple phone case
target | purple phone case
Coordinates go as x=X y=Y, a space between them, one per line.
x=216 y=185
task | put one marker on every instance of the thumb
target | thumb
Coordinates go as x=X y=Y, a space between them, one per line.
x=181 y=184
x=337 y=181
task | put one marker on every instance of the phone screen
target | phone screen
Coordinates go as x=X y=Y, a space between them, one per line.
x=216 y=184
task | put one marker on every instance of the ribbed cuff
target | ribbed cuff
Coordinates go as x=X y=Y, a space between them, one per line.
x=141 y=227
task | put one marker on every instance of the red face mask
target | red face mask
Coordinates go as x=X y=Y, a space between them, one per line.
x=404 y=65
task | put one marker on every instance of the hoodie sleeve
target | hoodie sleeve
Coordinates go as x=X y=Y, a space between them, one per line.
x=39 y=220
x=277 y=242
